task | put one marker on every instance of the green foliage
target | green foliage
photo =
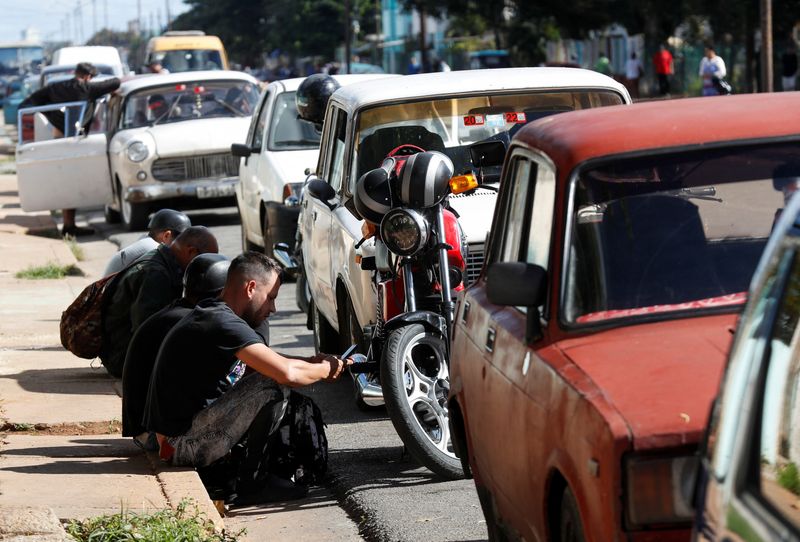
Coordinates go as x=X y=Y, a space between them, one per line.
x=75 y=248
x=49 y=271
x=185 y=524
x=789 y=478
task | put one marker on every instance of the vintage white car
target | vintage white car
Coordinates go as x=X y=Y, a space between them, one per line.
x=159 y=141
x=447 y=112
x=279 y=149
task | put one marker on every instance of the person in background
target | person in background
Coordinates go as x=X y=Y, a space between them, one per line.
x=711 y=66
x=664 y=67
x=164 y=226
x=789 y=67
x=603 y=65
x=78 y=89
x=156 y=67
x=633 y=71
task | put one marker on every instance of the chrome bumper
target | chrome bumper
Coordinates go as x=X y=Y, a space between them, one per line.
x=179 y=189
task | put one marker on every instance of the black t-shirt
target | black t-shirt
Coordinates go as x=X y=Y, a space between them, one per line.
x=193 y=364
x=139 y=362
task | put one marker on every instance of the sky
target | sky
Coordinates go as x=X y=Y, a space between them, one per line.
x=57 y=20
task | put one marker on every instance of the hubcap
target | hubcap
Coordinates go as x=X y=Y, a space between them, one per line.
x=426 y=381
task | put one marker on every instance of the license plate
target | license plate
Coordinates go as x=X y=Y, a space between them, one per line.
x=221 y=191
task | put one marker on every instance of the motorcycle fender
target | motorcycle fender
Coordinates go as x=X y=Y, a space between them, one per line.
x=430 y=320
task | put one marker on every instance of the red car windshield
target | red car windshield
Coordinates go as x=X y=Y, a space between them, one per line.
x=676 y=232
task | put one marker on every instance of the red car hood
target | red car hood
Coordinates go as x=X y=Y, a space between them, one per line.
x=661 y=377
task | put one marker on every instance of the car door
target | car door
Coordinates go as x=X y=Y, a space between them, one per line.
x=319 y=216
x=250 y=172
x=64 y=173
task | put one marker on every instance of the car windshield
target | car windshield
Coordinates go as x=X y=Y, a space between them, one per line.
x=451 y=125
x=189 y=60
x=287 y=131
x=14 y=60
x=188 y=101
x=675 y=232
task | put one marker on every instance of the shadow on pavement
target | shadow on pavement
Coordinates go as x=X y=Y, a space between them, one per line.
x=80 y=381
x=315 y=499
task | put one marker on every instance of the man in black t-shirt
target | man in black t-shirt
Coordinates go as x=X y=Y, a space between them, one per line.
x=197 y=413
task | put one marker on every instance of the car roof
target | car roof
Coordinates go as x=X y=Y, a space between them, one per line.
x=157 y=79
x=290 y=85
x=430 y=85
x=572 y=138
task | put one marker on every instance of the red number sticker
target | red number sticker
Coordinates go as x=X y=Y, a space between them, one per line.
x=473 y=120
x=518 y=118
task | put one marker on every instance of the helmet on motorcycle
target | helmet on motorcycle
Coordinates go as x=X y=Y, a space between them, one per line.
x=205 y=276
x=425 y=179
x=373 y=197
x=312 y=96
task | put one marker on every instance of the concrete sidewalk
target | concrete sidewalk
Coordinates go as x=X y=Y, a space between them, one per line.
x=61 y=454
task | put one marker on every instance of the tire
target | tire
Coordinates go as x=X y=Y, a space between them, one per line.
x=325 y=337
x=301 y=293
x=111 y=215
x=570 y=528
x=414 y=370
x=493 y=528
x=134 y=215
x=246 y=244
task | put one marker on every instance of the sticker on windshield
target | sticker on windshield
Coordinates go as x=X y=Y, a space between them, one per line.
x=495 y=121
x=474 y=120
x=516 y=118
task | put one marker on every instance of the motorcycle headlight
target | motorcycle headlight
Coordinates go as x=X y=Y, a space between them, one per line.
x=404 y=231
x=658 y=490
x=137 y=151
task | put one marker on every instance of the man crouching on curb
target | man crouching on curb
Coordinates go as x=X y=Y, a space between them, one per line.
x=198 y=415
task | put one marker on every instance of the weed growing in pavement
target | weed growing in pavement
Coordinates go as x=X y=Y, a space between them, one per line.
x=789 y=478
x=49 y=271
x=186 y=522
x=22 y=427
x=76 y=249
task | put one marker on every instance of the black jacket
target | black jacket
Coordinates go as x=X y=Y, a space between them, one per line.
x=73 y=90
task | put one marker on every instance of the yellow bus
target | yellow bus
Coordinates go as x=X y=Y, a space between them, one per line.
x=184 y=51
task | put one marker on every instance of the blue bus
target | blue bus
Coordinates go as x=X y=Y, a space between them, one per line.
x=19 y=57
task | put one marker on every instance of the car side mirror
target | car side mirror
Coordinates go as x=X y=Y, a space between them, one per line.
x=519 y=284
x=241 y=150
x=319 y=189
x=487 y=153
x=282 y=254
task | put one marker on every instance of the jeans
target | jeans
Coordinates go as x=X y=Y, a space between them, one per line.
x=219 y=426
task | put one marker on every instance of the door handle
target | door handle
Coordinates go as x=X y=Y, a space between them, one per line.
x=315 y=216
x=490 y=336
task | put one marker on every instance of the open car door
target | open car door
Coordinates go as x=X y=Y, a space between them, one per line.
x=64 y=173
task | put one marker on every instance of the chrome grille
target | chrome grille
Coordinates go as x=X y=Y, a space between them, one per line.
x=184 y=168
x=475 y=259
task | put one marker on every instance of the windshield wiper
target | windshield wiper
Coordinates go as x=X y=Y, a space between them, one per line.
x=707 y=193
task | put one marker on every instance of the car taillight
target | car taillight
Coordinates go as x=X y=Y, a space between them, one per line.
x=658 y=490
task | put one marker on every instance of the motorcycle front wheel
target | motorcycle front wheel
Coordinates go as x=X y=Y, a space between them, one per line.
x=415 y=379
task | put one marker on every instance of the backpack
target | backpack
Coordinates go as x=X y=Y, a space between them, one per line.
x=299 y=448
x=82 y=323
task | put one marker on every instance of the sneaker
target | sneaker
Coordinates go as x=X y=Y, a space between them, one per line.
x=275 y=490
x=76 y=231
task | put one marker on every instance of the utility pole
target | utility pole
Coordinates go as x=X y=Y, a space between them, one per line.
x=766 y=46
x=347 y=31
x=169 y=17
x=139 y=16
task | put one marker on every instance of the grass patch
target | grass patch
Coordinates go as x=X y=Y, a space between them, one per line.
x=789 y=478
x=186 y=523
x=77 y=250
x=49 y=271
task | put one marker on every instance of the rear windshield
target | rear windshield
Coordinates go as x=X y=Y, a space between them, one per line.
x=452 y=125
x=189 y=60
x=287 y=131
x=674 y=232
x=188 y=101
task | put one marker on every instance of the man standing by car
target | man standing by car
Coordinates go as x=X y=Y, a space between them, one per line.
x=165 y=225
x=78 y=89
x=146 y=287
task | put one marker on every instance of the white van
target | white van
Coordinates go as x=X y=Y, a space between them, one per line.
x=96 y=54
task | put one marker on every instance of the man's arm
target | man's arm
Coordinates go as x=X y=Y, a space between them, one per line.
x=40 y=97
x=101 y=88
x=290 y=371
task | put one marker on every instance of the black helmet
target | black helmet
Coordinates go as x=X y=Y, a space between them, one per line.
x=425 y=179
x=373 y=197
x=205 y=275
x=168 y=219
x=312 y=96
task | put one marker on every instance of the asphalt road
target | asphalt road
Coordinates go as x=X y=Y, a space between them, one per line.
x=383 y=489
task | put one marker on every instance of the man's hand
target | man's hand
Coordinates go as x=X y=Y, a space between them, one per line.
x=336 y=365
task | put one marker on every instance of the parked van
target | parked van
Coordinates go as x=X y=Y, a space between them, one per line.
x=101 y=55
x=184 y=51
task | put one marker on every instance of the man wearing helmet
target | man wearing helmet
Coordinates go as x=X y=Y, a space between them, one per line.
x=312 y=97
x=164 y=226
x=144 y=288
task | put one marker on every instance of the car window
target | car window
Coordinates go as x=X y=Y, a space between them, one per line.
x=98 y=124
x=259 y=124
x=517 y=208
x=286 y=130
x=779 y=453
x=184 y=60
x=335 y=168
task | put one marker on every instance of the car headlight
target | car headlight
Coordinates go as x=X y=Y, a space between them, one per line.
x=404 y=231
x=658 y=490
x=137 y=151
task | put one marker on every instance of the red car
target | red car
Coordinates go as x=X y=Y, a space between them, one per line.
x=585 y=358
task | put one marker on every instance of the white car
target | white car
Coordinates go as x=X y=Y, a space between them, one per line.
x=447 y=112
x=159 y=141
x=279 y=149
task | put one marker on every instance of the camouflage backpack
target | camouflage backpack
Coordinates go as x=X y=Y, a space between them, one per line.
x=82 y=323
